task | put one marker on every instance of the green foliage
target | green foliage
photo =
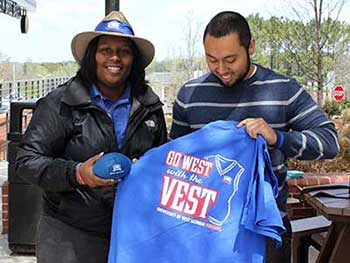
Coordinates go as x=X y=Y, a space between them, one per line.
x=42 y=70
x=335 y=108
x=291 y=47
x=157 y=66
x=30 y=70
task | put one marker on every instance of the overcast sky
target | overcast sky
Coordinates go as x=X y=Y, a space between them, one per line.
x=55 y=22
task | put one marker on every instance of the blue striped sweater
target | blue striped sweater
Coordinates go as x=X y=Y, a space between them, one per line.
x=303 y=130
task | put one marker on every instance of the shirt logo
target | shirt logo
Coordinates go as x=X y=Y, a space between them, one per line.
x=224 y=165
x=150 y=123
x=199 y=190
x=187 y=198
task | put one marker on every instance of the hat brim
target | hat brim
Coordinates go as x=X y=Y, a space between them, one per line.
x=81 y=41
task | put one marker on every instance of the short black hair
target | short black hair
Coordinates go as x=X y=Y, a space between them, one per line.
x=228 y=22
x=87 y=70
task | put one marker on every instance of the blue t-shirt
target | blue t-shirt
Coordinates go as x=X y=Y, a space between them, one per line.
x=205 y=197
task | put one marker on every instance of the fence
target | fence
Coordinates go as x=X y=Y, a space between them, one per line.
x=21 y=90
x=27 y=89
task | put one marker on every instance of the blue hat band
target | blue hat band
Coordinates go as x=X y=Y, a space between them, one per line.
x=115 y=26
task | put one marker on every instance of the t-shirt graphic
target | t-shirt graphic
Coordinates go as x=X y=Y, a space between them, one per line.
x=205 y=197
x=226 y=177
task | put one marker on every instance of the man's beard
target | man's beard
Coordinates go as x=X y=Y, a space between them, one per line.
x=239 y=80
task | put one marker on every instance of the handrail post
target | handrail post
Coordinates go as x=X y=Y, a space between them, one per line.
x=10 y=91
x=18 y=90
x=25 y=89
x=0 y=94
x=111 y=5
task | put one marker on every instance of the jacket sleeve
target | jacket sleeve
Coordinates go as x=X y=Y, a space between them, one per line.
x=38 y=159
x=312 y=136
x=162 y=134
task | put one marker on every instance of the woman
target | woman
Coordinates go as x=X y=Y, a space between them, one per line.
x=106 y=107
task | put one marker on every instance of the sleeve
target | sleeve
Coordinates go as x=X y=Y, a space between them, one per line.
x=38 y=157
x=312 y=136
x=261 y=214
x=180 y=125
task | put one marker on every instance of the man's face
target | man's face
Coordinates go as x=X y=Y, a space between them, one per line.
x=227 y=58
x=114 y=59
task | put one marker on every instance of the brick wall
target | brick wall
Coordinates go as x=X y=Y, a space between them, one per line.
x=26 y=117
x=302 y=209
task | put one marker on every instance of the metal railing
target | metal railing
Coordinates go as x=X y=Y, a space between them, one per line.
x=21 y=90
x=25 y=90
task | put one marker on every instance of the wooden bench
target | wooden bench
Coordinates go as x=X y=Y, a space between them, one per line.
x=307 y=232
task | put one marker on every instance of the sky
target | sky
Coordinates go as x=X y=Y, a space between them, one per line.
x=55 y=22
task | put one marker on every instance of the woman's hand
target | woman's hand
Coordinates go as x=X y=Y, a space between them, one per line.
x=86 y=176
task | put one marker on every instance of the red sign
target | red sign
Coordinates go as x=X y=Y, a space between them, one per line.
x=339 y=93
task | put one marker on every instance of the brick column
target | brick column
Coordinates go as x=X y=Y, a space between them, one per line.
x=5 y=225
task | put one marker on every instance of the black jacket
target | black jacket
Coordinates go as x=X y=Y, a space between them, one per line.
x=67 y=127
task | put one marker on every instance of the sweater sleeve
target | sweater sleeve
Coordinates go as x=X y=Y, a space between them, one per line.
x=180 y=125
x=38 y=158
x=311 y=135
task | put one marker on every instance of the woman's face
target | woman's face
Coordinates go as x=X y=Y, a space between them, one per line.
x=114 y=59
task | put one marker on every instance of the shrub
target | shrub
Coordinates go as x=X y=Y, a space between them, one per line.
x=341 y=163
x=335 y=108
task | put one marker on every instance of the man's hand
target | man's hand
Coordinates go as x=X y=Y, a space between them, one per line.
x=257 y=126
x=87 y=176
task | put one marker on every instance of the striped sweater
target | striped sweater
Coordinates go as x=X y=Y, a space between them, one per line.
x=303 y=131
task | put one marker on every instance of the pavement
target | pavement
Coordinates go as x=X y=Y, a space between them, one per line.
x=6 y=255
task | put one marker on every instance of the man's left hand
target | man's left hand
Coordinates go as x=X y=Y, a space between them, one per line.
x=257 y=126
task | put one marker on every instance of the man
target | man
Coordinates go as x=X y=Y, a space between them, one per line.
x=267 y=103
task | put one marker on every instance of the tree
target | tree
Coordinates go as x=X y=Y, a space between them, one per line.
x=189 y=62
x=4 y=57
x=324 y=38
x=306 y=47
x=4 y=63
x=342 y=70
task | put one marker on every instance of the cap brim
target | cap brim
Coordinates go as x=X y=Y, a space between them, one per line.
x=81 y=41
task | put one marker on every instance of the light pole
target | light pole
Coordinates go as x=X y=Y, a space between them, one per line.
x=112 y=5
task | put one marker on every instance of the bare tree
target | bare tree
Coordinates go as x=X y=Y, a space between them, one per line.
x=189 y=61
x=4 y=57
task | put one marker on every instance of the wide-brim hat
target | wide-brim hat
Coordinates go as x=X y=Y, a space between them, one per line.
x=114 y=24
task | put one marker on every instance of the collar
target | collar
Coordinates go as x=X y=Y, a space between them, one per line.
x=251 y=75
x=76 y=94
x=124 y=98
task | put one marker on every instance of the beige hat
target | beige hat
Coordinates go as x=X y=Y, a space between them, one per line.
x=114 y=24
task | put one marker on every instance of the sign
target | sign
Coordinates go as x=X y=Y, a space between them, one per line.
x=338 y=93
